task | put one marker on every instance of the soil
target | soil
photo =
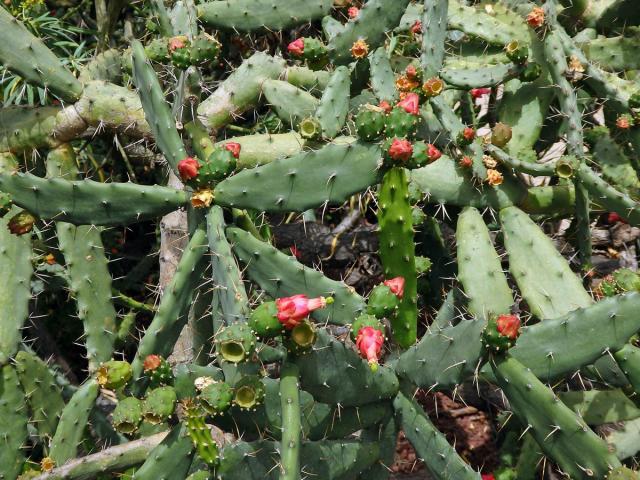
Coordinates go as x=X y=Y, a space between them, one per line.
x=469 y=429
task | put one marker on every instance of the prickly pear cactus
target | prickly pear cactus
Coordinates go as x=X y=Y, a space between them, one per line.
x=233 y=251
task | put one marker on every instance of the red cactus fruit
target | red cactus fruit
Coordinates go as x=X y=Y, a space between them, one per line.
x=433 y=153
x=416 y=28
x=400 y=149
x=234 y=148
x=410 y=103
x=480 y=92
x=188 y=168
x=296 y=48
x=508 y=326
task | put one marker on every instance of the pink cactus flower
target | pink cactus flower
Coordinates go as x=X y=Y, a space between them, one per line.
x=411 y=72
x=296 y=48
x=353 y=12
x=410 y=103
x=396 y=285
x=416 y=28
x=234 y=148
x=369 y=343
x=293 y=309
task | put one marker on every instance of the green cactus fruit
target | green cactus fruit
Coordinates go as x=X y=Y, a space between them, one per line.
x=114 y=374
x=530 y=72
x=420 y=156
x=220 y=164
x=627 y=280
x=236 y=343
x=382 y=302
x=199 y=432
x=370 y=122
x=181 y=58
x=151 y=25
x=516 y=52
x=127 y=415
x=216 y=398
x=249 y=393
x=622 y=473
x=567 y=166
x=500 y=134
x=264 y=322
x=423 y=265
x=159 y=405
x=634 y=100
x=5 y=204
x=365 y=320
x=315 y=53
x=310 y=128
x=607 y=287
x=204 y=48
x=501 y=332
x=302 y=337
x=21 y=223
x=399 y=123
x=157 y=370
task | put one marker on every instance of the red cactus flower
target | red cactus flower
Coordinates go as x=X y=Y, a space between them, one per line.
x=177 y=42
x=188 y=168
x=488 y=476
x=151 y=363
x=411 y=72
x=369 y=343
x=508 y=326
x=410 y=103
x=535 y=18
x=480 y=92
x=293 y=309
x=465 y=162
x=416 y=28
x=433 y=153
x=234 y=148
x=400 y=149
x=296 y=48
x=396 y=285
x=353 y=12
x=385 y=106
x=469 y=134
x=613 y=217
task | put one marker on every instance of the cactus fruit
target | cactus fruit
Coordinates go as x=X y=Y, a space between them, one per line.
x=159 y=404
x=236 y=343
x=158 y=370
x=370 y=122
x=382 y=301
x=114 y=374
x=302 y=337
x=248 y=393
x=501 y=332
x=377 y=113
x=216 y=398
x=127 y=415
x=21 y=223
